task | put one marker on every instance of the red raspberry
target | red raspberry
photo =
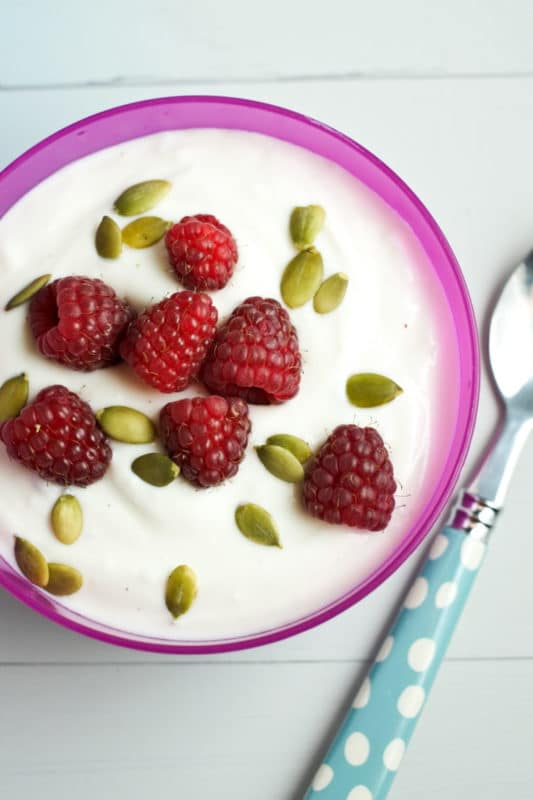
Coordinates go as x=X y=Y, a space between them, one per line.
x=255 y=354
x=350 y=481
x=57 y=437
x=79 y=322
x=206 y=436
x=166 y=344
x=202 y=251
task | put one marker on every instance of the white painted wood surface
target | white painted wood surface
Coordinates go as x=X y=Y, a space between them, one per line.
x=444 y=93
x=130 y=41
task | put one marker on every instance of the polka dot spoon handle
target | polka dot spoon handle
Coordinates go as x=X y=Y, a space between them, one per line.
x=367 y=751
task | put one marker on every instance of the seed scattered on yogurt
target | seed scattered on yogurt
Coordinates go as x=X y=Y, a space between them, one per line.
x=392 y=321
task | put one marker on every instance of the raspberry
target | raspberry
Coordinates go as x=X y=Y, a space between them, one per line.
x=79 y=322
x=206 y=436
x=350 y=481
x=202 y=251
x=255 y=354
x=166 y=344
x=57 y=437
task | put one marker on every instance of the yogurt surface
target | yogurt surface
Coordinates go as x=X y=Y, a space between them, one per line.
x=393 y=320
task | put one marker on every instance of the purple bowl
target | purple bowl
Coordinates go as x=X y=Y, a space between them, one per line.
x=170 y=113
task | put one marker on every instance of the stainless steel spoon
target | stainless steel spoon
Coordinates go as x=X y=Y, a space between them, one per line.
x=367 y=750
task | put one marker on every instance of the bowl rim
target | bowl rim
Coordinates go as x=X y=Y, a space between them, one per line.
x=468 y=387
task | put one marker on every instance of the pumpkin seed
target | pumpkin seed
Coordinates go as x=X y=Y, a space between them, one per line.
x=108 y=238
x=31 y=562
x=13 y=396
x=301 y=278
x=145 y=231
x=181 y=590
x=141 y=197
x=67 y=518
x=280 y=462
x=126 y=424
x=305 y=225
x=27 y=292
x=63 y=580
x=257 y=525
x=369 y=389
x=155 y=468
x=294 y=444
x=331 y=293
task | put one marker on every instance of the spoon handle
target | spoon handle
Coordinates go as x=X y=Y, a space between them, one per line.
x=362 y=761
x=495 y=471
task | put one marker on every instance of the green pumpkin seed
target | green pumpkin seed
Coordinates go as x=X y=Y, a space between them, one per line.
x=301 y=278
x=181 y=590
x=126 y=425
x=280 y=462
x=305 y=225
x=145 y=231
x=156 y=469
x=331 y=293
x=108 y=239
x=67 y=518
x=294 y=444
x=13 y=396
x=141 y=197
x=63 y=580
x=368 y=389
x=27 y=293
x=31 y=562
x=256 y=524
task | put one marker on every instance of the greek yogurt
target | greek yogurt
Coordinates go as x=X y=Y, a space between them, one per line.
x=393 y=320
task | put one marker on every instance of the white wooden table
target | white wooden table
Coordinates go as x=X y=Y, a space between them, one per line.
x=444 y=93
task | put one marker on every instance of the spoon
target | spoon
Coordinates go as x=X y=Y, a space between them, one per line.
x=367 y=750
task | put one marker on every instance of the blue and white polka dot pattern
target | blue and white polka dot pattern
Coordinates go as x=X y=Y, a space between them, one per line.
x=370 y=745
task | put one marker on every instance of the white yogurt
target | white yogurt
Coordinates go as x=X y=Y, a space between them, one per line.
x=392 y=321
